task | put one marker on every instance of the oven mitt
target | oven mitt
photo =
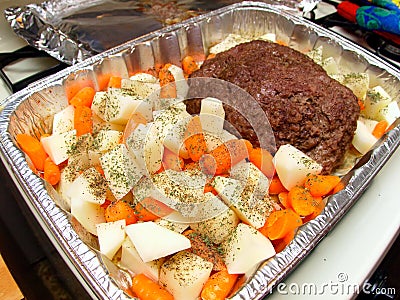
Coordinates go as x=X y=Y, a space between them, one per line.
x=372 y=17
x=390 y=5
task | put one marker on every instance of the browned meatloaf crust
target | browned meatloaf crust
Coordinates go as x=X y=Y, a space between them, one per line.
x=305 y=107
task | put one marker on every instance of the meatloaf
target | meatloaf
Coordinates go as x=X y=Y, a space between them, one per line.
x=305 y=107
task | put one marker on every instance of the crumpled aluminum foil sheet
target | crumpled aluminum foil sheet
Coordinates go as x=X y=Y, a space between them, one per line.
x=73 y=30
x=30 y=111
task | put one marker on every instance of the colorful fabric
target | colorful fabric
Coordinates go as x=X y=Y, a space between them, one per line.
x=378 y=18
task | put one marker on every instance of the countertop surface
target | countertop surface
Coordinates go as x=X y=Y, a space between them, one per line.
x=342 y=262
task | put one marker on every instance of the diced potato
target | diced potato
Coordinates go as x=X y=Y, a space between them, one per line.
x=105 y=140
x=131 y=260
x=120 y=106
x=144 y=77
x=174 y=139
x=88 y=214
x=153 y=150
x=169 y=119
x=139 y=88
x=363 y=139
x=63 y=121
x=99 y=104
x=184 y=275
x=100 y=124
x=228 y=189
x=370 y=124
x=390 y=112
x=217 y=229
x=292 y=166
x=153 y=241
x=68 y=174
x=245 y=248
x=252 y=179
x=180 y=190
x=377 y=99
x=84 y=143
x=212 y=141
x=316 y=55
x=357 y=82
x=136 y=143
x=165 y=121
x=181 y=84
x=120 y=170
x=229 y=42
x=240 y=198
x=111 y=235
x=59 y=146
x=89 y=186
x=212 y=115
x=330 y=65
x=174 y=226
x=253 y=205
x=268 y=37
x=210 y=207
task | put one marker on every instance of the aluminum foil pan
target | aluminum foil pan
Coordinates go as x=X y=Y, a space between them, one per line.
x=73 y=30
x=30 y=111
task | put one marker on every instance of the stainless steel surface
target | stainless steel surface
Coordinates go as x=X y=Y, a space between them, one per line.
x=19 y=115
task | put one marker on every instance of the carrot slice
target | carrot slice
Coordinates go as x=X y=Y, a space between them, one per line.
x=83 y=122
x=361 y=104
x=193 y=165
x=195 y=142
x=380 y=129
x=283 y=199
x=73 y=86
x=114 y=82
x=168 y=91
x=321 y=185
x=144 y=214
x=171 y=161
x=102 y=81
x=318 y=208
x=155 y=207
x=301 y=200
x=340 y=186
x=240 y=281
x=262 y=159
x=33 y=148
x=147 y=289
x=167 y=83
x=222 y=158
x=52 y=172
x=218 y=285
x=205 y=249
x=165 y=75
x=211 y=55
x=281 y=244
x=120 y=210
x=189 y=65
x=276 y=186
x=279 y=223
x=208 y=188
x=83 y=97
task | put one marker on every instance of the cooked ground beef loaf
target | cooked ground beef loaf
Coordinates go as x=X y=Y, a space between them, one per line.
x=305 y=107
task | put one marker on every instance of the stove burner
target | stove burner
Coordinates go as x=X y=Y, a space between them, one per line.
x=383 y=47
x=25 y=53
